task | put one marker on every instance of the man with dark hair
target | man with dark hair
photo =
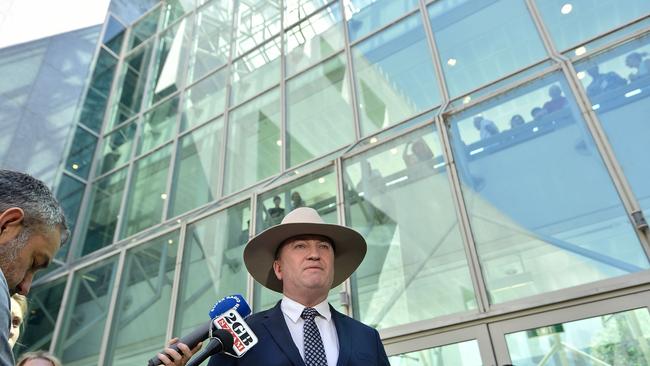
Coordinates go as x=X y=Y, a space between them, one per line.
x=32 y=229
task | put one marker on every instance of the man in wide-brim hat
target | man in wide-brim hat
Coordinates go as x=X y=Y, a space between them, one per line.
x=303 y=258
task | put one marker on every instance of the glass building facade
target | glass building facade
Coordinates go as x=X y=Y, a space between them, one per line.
x=493 y=153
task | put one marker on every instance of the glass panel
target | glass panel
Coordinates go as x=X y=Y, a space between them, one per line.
x=211 y=45
x=148 y=192
x=69 y=194
x=613 y=339
x=622 y=107
x=415 y=267
x=44 y=306
x=253 y=148
x=314 y=39
x=394 y=75
x=458 y=354
x=570 y=23
x=103 y=210
x=128 y=96
x=145 y=28
x=256 y=72
x=480 y=41
x=366 y=16
x=159 y=125
x=117 y=148
x=81 y=153
x=318 y=104
x=85 y=316
x=143 y=302
x=296 y=10
x=316 y=190
x=197 y=168
x=169 y=63
x=256 y=21
x=175 y=9
x=94 y=107
x=573 y=229
x=114 y=35
x=212 y=265
x=204 y=100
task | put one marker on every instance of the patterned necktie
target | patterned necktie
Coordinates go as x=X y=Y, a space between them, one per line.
x=312 y=342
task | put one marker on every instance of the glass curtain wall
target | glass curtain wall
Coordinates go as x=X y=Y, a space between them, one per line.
x=483 y=173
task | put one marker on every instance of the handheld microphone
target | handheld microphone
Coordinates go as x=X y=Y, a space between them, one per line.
x=235 y=303
x=220 y=341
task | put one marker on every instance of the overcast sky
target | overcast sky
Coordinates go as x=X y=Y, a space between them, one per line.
x=27 y=20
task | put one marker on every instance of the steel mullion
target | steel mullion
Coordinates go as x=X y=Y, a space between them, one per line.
x=250 y=282
x=594 y=126
x=435 y=57
x=175 y=291
x=108 y=325
x=463 y=220
x=283 y=95
x=347 y=49
x=340 y=209
x=223 y=149
x=62 y=309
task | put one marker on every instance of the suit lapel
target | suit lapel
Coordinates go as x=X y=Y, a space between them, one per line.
x=345 y=343
x=276 y=326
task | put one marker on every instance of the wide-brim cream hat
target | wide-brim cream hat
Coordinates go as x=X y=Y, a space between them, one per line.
x=259 y=255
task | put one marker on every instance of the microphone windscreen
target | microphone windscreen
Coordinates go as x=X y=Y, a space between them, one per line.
x=235 y=301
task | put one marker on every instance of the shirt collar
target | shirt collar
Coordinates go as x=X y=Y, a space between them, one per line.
x=293 y=309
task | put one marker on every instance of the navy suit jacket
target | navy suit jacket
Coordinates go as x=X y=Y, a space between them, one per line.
x=359 y=344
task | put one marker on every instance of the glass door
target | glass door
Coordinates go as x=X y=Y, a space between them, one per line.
x=602 y=333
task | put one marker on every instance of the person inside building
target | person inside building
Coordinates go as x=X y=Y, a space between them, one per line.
x=18 y=313
x=275 y=213
x=603 y=82
x=32 y=229
x=640 y=63
x=303 y=258
x=557 y=101
x=485 y=127
x=38 y=358
x=296 y=200
x=516 y=121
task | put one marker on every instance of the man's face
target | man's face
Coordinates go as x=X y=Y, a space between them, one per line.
x=19 y=263
x=305 y=264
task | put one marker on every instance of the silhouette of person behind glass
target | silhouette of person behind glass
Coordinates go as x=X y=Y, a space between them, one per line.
x=557 y=102
x=603 y=82
x=420 y=152
x=276 y=213
x=485 y=127
x=296 y=200
x=516 y=121
x=635 y=60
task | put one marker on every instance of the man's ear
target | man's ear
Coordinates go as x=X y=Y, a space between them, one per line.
x=277 y=269
x=11 y=222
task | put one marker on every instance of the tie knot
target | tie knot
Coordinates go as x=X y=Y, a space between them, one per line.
x=309 y=313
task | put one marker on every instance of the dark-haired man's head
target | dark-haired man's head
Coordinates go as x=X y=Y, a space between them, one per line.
x=32 y=228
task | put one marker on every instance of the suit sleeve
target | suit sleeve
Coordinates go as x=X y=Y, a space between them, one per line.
x=382 y=359
x=222 y=360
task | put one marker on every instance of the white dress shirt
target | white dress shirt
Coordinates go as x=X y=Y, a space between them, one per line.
x=292 y=311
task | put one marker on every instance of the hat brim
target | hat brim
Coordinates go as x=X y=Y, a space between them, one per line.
x=259 y=254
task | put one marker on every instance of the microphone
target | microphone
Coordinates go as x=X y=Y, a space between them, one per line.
x=234 y=303
x=220 y=341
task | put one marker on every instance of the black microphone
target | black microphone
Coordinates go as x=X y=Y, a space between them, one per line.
x=199 y=334
x=221 y=341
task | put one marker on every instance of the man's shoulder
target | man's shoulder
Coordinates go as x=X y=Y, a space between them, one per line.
x=259 y=316
x=350 y=322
